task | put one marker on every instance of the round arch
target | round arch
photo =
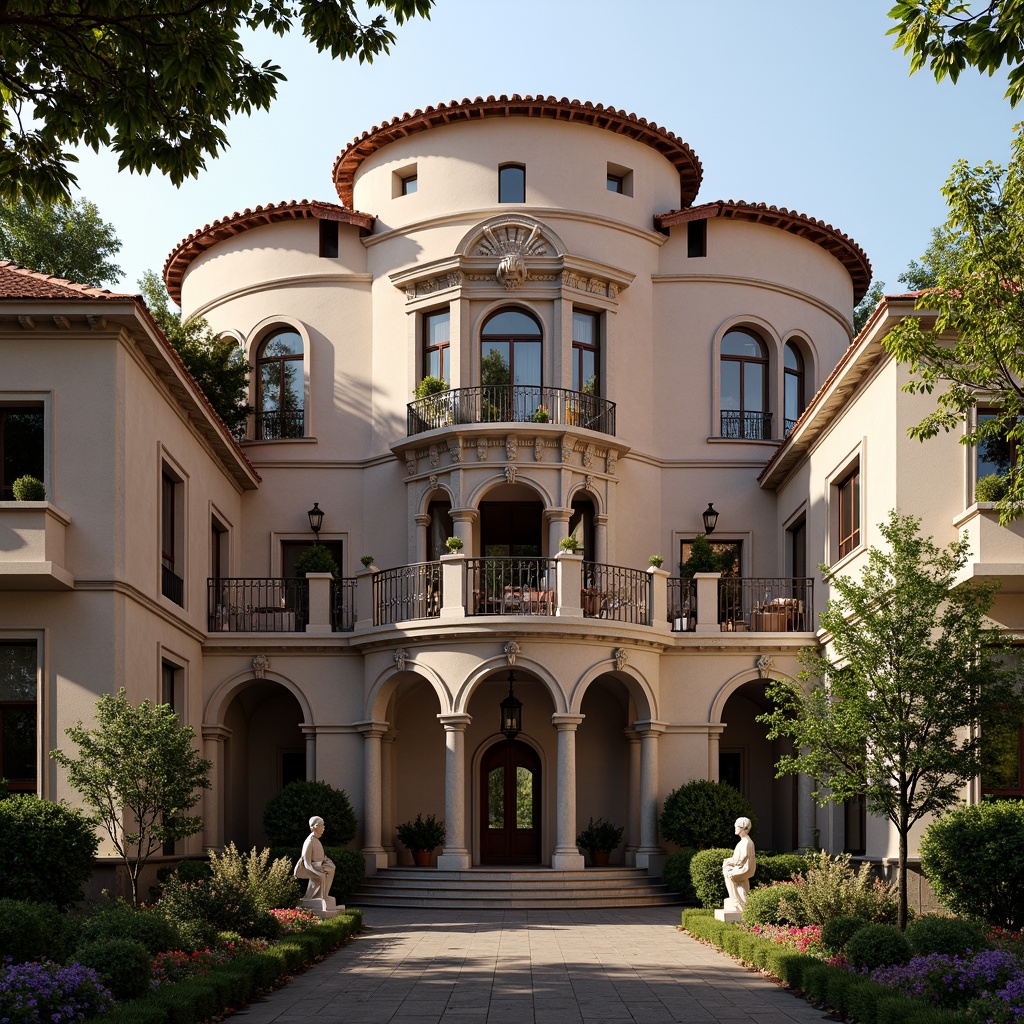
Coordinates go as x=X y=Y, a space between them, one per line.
x=733 y=683
x=490 y=483
x=435 y=492
x=580 y=490
x=516 y=232
x=267 y=325
x=221 y=698
x=636 y=684
x=383 y=688
x=464 y=692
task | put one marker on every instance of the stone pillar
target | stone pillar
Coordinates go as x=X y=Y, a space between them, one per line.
x=319 y=584
x=632 y=795
x=455 y=856
x=649 y=854
x=387 y=784
x=714 y=742
x=373 y=851
x=600 y=552
x=309 y=731
x=567 y=856
x=805 y=812
x=569 y=574
x=364 y=597
x=214 y=737
x=707 y=602
x=453 y=587
x=558 y=527
x=464 y=520
x=422 y=527
x=658 y=599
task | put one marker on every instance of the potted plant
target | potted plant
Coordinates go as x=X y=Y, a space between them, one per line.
x=454 y=545
x=420 y=837
x=316 y=558
x=600 y=838
x=988 y=488
x=541 y=415
x=29 y=488
x=657 y=561
x=436 y=410
x=569 y=544
x=367 y=560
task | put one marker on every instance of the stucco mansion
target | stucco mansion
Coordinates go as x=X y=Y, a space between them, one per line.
x=622 y=363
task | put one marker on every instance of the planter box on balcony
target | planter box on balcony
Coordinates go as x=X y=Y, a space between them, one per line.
x=32 y=546
x=997 y=552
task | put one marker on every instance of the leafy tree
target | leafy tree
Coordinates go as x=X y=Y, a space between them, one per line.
x=863 y=310
x=950 y=35
x=139 y=773
x=67 y=240
x=216 y=363
x=707 y=557
x=912 y=668
x=921 y=275
x=977 y=261
x=155 y=81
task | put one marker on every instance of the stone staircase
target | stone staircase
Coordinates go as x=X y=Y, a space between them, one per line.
x=511 y=888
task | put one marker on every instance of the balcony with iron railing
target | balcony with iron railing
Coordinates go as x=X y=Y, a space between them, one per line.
x=747 y=426
x=615 y=592
x=511 y=586
x=516 y=403
x=279 y=425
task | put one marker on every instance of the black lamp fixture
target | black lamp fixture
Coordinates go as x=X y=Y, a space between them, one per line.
x=316 y=519
x=710 y=517
x=511 y=712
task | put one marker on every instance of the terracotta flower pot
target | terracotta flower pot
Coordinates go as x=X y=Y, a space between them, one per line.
x=599 y=858
x=421 y=858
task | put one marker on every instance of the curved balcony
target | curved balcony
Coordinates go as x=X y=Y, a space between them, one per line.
x=517 y=403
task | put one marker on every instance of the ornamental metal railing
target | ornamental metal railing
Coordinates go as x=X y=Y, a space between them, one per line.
x=762 y=604
x=343 y=605
x=172 y=586
x=682 y=604
x=616 y=592
x=407 y=592
x=511 y=403
x=257 y=605
x=276 y=426
x=749 y=426
x=511 y=586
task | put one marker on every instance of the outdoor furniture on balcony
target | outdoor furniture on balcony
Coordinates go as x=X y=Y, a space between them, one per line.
x=682 y=604
x=513 y=403
x=511 y=586
x=615 y=592
x=766 y=605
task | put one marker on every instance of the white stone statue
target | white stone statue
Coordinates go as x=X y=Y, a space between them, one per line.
x=739 y=869
x=318 y=868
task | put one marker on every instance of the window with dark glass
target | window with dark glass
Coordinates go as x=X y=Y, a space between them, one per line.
x=994 y=456
x=437 y=345
x=21 y=445
x=172 y=584
x=744 y=383
x=280 y=402
x=409 y=185
x=18 y=715
x=696 y=239
x=512 y=183
x=615 y=183
x=1002 y=755
x=793 y=385
x=329 y=239
x=848 y=494
x=586 y=351
x=510 y=367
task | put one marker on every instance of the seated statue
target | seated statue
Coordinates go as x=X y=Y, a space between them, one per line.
x=739 y=868
x=314 y=864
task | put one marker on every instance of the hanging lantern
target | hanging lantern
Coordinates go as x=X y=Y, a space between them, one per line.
x=511 y=712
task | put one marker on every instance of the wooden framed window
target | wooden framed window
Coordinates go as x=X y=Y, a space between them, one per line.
x=512 y=183
x=586 y=351
x=280 y=398
x=744 y=386
x=793 y=386
x=437 y=345
x=21 y=445
x=19 y=715
x=848 y=496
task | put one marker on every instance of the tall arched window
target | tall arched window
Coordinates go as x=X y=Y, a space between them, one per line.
x=510 y=366
x=794 y=386
x=280 y=400
x=744 y=382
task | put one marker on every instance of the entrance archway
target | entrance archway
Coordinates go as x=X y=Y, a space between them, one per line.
x=512 y=523
x=510 y=811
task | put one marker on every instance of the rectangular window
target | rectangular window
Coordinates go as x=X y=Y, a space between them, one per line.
x=855 y=821
x=291 y=549
x=586 y=351
x=21 y=445
x=797 y=549
x=19 y=715
x=410 y=185
x=172 y=537
x=512 y=183
x=437 y=345
x=614 y=183
x=729 y=553
x=329 y=239
x=218 y=549
x=620 y=179
x=994 y=457
x=404 y=181
x=696 y=238
x=848 y=496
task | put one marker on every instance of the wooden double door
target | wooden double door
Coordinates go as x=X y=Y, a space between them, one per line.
x=510 y=791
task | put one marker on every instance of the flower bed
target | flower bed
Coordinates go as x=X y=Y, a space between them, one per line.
x=36 y=993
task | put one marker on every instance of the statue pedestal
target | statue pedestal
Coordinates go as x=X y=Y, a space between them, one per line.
x=729 y=916
x=322 y=908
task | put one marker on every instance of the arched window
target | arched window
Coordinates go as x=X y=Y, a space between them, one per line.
x=744 y=382
x=280 y=402
x=510 y=366
x=794 y=385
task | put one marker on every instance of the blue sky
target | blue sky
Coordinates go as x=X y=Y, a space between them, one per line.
x=800 y=103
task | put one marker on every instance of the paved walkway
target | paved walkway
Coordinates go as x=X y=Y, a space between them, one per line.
x=527 y=967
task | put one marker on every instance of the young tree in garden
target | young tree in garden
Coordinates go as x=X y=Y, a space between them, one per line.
x=951 y=35
x=217 y=364
x=892 y=707
x=155 y=81
x=973 y=351
x=139 y=773
x=68 y=240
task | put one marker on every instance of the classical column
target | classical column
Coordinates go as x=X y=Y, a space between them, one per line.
x=558 y=527
x=649 y=854
x=464 y=520
x=805 y=816
x=309 y=731
x=387 y=814
x=567 y=856
x=213 y=798
x=455 y=856
x=632 y=795
x=422 y=525
x=600 y=552
x=714 y=742
x=373 y=852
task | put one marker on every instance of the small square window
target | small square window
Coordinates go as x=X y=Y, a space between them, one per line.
x=512 y=183
x=614 y=183
x=620 y=179
x=409 y=185
x=404 y=181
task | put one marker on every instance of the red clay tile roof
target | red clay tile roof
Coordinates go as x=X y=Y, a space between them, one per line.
x=831 y=239
x=548 y=107
x=199 y=241
x=18 y=282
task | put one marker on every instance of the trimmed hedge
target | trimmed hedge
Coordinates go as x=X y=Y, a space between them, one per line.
x=707 y=878
x=763 y=904
x=286 y=817
x=952 y=935
x=123 y=965
x=33 y=931
x=701 y=814
x=676 y=874
x=198 y=999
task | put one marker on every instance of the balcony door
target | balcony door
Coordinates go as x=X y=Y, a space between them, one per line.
x=510 y=804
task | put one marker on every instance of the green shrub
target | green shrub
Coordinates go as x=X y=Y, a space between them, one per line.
x=676 y=874
x=877 y=945
x=863 y=1001
x=193 y=870
x=706 y=875
x=779 y=867
x=703 y=814
x=122 y=964
x=814 y=982
x=46 y=850
x=991 y=488
x=837 y=992
x=32 y=931
x=830 y=888
x=835 y=934
x=952 y=935
x=695 y=913
x=969 y=856
x=217 y=905
x=316 y=558
x=764 y=904
x=270 y=883
x=31 y=488
x=788 y=965
x=286 y=817
x=120 y=920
